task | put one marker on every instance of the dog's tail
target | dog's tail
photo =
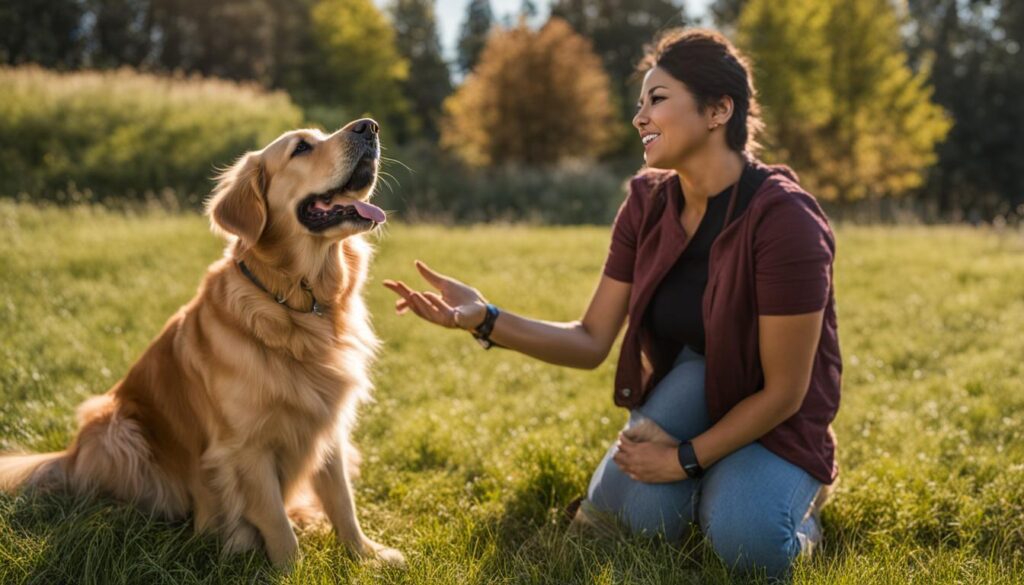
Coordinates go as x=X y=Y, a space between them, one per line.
x=32 y=470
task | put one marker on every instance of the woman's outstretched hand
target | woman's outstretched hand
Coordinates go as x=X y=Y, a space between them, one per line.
x=458 y=306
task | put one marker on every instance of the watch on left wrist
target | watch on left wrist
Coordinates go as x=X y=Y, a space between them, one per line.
x=688 y=460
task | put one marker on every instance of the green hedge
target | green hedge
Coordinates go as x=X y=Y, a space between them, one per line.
x=122 y=134
x=422 y=183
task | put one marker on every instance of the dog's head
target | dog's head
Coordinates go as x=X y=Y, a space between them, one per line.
x=305 y=184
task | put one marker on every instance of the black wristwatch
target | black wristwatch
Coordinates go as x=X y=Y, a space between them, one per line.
x=688 y=460
x=482 y=333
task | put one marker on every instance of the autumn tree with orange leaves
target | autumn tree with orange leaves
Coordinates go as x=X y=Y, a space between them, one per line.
x=536 y=97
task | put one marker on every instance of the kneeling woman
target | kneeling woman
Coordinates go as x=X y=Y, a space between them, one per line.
x=730 y=364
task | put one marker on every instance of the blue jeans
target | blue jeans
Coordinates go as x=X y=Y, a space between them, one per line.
x=751 y=504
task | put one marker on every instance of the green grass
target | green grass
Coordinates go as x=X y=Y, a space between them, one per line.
x=469 y=455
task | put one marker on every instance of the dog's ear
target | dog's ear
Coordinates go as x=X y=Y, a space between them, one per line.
x=238 y=204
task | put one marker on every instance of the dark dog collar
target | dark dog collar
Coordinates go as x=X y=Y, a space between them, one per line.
x=316 y=310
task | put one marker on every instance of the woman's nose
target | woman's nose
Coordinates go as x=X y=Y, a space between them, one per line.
x=639 y=121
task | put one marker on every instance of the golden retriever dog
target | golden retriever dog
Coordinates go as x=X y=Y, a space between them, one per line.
x=244 y=403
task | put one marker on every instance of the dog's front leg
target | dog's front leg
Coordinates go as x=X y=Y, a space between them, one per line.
x=331 y=484
x=264 y=508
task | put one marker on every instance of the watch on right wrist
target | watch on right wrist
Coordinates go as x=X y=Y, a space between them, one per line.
x=482 y=332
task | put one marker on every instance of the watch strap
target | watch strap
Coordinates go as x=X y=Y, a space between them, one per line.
x=688 y=460
x=482 y=333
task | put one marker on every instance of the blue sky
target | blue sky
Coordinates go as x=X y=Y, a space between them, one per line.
x=450 y=14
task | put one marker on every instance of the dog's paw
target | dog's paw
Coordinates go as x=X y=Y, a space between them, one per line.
x=390 y=556
x=378 y=553
x=285 y=553
x=242 y=539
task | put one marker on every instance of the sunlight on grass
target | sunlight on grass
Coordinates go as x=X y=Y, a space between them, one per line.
x=470 y=455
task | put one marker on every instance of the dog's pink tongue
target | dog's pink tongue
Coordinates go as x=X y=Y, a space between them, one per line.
x=371 y=212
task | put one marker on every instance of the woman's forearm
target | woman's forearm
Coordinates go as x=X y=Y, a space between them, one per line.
x=579 y=344
x=564 y=344
x=745 y=423
x=788 y=344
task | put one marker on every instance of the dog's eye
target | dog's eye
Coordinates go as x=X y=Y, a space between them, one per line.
x=302 y=147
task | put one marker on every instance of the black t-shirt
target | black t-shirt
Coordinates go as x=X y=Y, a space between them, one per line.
x=674 y=314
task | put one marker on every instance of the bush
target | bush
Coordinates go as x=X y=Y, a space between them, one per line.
x=422 y=184
x=535 y=97
x=123 y=134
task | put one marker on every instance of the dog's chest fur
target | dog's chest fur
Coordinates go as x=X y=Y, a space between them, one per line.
x=294 y=378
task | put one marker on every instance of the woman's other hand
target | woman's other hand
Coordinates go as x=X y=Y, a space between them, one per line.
x=648 y=431
x=648 y=461
x=457 y=306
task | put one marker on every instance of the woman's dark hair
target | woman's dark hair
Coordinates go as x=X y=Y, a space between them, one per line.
x=711 y=68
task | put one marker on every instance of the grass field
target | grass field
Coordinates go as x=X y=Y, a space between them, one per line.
x=469 y=455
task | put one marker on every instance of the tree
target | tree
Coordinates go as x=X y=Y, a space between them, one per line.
x=619 y=29
x=47 y=33
x=974 y=57
x=236 y=39
x=535 y=97
x=357 y=65
x=121 y=33
x=291 y=41
x=429 y=80
x=842 y=105
x=473 y=36
x=228 y=38
x=726 y=13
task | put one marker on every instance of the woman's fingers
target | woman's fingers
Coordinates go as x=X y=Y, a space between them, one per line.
x=624 y=453
x=420 y=305
x=435 y=279
x=444 y=310
x=410 y=300
x=429 y=310
x=438 y=302
x=427 y=305
x=406 y=301
x=401 y=306
x=415 y=308
x=398 y=287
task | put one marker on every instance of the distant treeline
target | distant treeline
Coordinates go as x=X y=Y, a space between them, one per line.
x=869 y=100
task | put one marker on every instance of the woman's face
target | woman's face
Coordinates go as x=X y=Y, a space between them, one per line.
x=671 y=127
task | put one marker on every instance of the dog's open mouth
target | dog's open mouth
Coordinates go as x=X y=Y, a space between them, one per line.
x=324 y=210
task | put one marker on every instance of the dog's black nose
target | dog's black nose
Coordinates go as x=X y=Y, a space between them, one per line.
x=365 y=126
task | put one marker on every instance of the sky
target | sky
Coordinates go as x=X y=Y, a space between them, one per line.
x=451 y=13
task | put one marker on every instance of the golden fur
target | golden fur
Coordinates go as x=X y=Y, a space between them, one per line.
x=242 y=404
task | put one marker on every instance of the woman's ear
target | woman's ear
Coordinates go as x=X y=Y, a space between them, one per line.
x=722 y=110
x=238 y=205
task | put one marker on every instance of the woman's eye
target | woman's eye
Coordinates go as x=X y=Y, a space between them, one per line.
x=656 y=98
x=302 y=147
